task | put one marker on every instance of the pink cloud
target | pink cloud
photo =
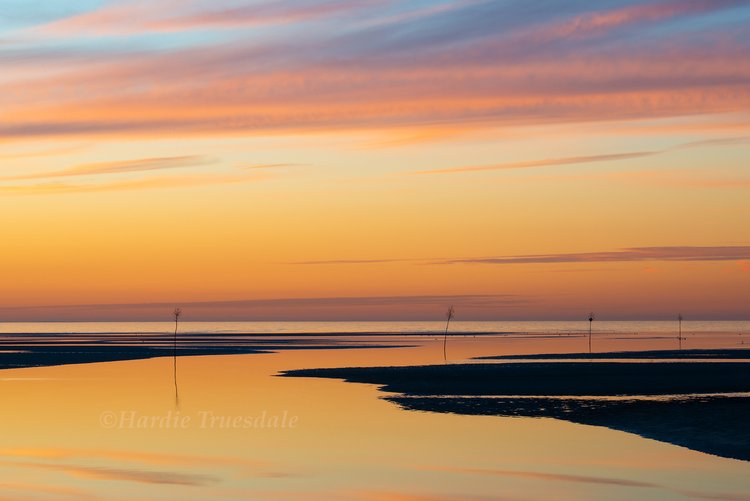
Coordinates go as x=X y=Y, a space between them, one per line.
x=132 y=17
x=595 y=23
x=262 y=88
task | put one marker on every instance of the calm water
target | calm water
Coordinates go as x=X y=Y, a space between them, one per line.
x=231 y=429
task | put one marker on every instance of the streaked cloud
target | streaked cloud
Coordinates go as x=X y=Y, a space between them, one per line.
x=344 y=307
x=584 y=159
x=56 y=188
x=119 y=167
x=721 y=141
x=672 y=178
x=139 y=17
x=476 y=64
x=676 y=253
x=597 y=23
x=476 y=300
x=720 y=253
x=19 y=14
x=543 y=163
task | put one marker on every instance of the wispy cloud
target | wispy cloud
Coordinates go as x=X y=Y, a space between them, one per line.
x=721 y=253
x=675 y=253
x=50 y=188
x=477 y=64
x=346 y=301
x=584 y=159
x=543 y=163
x=301 y=308
x=273 y=12
x=139 y=17
x=597 y=23
x=119 y=167
x=721 y=141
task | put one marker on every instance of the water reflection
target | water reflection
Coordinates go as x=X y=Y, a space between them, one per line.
x=174 y=373
x=347 y=443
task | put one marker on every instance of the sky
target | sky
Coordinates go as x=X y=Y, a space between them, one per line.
x=374 y=159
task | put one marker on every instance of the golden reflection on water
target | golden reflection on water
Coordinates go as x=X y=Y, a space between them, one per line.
x=112 y=431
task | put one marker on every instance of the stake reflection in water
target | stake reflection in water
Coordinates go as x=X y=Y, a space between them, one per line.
x=177 y=313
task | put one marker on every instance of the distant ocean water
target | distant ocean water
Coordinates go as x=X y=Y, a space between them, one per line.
x=286 y=328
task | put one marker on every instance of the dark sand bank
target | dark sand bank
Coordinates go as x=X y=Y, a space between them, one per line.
x=550 y=379
x=732 y=354
x=38 y=356
x=21 y=350
x=716 y=425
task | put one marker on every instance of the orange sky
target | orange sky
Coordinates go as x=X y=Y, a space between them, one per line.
x=358 y=160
